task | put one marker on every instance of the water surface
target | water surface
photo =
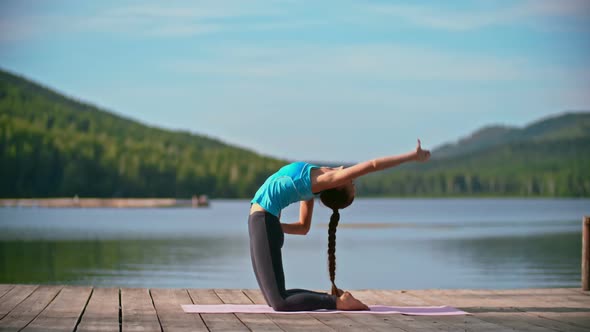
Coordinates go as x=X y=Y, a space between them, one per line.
x=381 y=243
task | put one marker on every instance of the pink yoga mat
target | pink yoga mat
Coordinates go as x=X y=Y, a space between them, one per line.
x=264 y=309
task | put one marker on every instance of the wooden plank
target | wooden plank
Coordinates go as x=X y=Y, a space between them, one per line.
x=380 y=323
x=13 y=297
x=410 y=323
x=550 y=311
x=575 y=295
x=423 y=298
x=343 y=322
x=558 y=313
x=407 y=323
x=289 y=322
x=28 y=309
x=63 y=312
x=172 y=318
x=495 y=315
x=578 y=291
x=216 y=322
x=565 y=296
x=137 y=311
x=492 y=315
x=556 y=309
x=511 y=301
x=255 y=322
x=549 y=294
x=232 y=296
x=102 y=311
x=4 y=288
x=255 y=295
x=393 y=322
x=356 y=322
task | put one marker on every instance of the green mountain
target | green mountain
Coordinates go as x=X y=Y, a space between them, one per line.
x=566 y=126
x=550 y=157
x=485 y=137
x=52 y=146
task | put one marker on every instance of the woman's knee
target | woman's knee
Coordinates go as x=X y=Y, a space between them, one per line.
x=280 y=305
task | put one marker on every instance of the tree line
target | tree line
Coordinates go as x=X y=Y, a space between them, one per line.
x=53 y=146
x=548 y=168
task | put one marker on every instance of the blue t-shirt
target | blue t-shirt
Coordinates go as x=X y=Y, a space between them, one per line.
x=290 y=184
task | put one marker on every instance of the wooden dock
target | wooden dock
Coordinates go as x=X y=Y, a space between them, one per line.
x=75 y=308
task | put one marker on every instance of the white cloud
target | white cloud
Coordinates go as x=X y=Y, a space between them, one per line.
x=27 y=27
x=184 y=30
x=435 y=18
x=198 y=10
x=357 y=62
x=189 y=18
x=577 y=8
x=172 y=19
x=12 y=30
x=482 y=16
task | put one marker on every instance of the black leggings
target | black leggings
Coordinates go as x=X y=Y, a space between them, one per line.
x=266 y=241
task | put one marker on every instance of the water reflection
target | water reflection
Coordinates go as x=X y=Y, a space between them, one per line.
x=434 y=261
x=161 y=262
x=517 y=261
x=493 y=262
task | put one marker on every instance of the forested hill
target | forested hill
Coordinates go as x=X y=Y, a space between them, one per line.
x=565 y=126
x=53 y=146
x=550 y=157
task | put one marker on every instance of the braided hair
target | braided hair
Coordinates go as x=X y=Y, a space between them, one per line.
x=335 y=198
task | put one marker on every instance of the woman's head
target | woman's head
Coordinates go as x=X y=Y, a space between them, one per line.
x=339 y=197
x=335 y=198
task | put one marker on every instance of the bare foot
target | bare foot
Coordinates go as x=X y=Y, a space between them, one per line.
x=348 y=302
x=340 y=292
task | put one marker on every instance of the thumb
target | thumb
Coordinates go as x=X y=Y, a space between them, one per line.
x=419 y=144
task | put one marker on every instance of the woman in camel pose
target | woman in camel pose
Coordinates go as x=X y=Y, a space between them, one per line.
x=301 y=182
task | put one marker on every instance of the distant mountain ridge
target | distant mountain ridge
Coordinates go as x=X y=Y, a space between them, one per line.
x=562 y=126
x=550 y=157
x=54 y=146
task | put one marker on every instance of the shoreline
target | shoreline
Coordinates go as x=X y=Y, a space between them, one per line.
x=204 y=201
x=76 y=202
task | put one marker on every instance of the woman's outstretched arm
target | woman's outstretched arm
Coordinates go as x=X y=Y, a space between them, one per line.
x=340 y=177
x=301 y=227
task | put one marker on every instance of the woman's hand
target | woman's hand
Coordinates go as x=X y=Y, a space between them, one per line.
x=322 y=180
x=421 y=155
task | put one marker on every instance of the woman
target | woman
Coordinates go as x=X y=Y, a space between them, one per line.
x=302 y=182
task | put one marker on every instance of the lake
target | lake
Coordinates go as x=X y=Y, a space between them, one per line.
x=381 y=244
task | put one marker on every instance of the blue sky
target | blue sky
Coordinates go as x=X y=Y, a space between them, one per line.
x=309 y=80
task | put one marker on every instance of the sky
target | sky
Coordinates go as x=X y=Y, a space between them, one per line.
x=309 y=80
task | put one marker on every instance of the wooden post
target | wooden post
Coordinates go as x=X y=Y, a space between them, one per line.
x=586 y=253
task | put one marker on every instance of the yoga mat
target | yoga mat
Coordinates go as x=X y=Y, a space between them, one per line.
x=374 y=309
